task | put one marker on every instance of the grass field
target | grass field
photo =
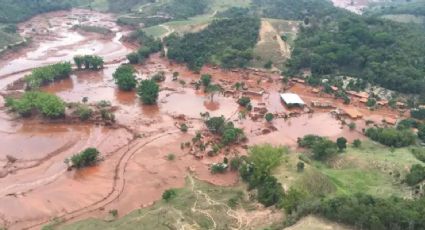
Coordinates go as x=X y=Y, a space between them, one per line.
x=8 y=38
x=271 y=46
x=373 y=169
x=197 y=206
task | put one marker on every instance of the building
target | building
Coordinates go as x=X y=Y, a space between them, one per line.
x=291 y=100
x=352 y=113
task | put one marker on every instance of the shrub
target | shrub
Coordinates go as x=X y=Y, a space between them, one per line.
x=357 y=143
x=268 y=64
x=371 y=102
x=309 y=140
x=206 y=80
x=49 y=105
x=244 y=101
x=218 y=168
x=235 y=163
x=169 y=194
x=231 y=135
x=391 y=137
x=421 y=132
x=419 y=153
x=124 y=77
x=293 y=198
x=93 y=62
x=269 y=117
x=416 y=174
x=44 y=75
x=300 y=166
x=418 y=113
x=133 y=58
x=148 y=92
x=341 y=142
x=171 y=157
x=86 y=158
x=324 y=150
x=352 y=126
x=84 y=112
x=158 y=77
x=183 y=128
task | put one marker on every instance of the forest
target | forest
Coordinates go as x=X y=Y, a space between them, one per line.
x=12 y=11
x=379 y=51
x=226 y=42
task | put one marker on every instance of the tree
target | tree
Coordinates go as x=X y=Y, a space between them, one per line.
x=269 y=117
x=213 y=89
x=206 y=80
x=371 y=102
x=133 y=58
x=169 y=194
x=86 y=158
x=244 y=101
x=324 y=149
x=416 y=175
x=421 y=132
x=300 y=166
x=175 y=76
x=357 y=143
x=268 y=64
x=341 y=142
x=78 y=60
x=148 y=91
x=124 y=77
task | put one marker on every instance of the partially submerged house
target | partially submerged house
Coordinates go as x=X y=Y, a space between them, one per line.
x=351 y=113
x=292 y=100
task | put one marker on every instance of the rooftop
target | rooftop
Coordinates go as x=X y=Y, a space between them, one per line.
x=291 y=98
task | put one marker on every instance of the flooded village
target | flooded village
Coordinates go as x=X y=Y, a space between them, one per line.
x=135 y=146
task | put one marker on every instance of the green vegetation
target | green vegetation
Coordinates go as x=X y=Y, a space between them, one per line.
x=92 y=62
x=226 y=42
x=124 y=77
x=418 y=113
x=48 y=105
x=86 y=158
x=244 y=101
x=416 y=175
x=229 y=134
x=93 y=29
x=376 y=50
x=341 y=142
x=47 y=74
x=16 y=11
x=293 y=9
x=269 y=117
x=187 y=209
x=169 y=194
x=256 y=171
x=375 y=213
x=148 y=91
x=392 y=137
x=84 y=112
x=149 y=46
x=321 y=147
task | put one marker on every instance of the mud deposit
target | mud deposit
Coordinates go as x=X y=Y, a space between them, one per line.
x=36 y=187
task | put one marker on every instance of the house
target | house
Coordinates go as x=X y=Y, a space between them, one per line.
x=291 y=100
x=334 y=88
x=352 y=113
x=382 y=102
x=363 y=100
x=390 y=121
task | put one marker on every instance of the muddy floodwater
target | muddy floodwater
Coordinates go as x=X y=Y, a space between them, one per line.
x=35 y=185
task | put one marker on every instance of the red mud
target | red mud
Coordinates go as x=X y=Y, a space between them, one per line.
x=135 y=170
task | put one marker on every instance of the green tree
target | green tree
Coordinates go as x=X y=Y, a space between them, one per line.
x=124 y=77
x=324 y=149
x=148 y=91
x=206 y=80
x=341 y=142
x=133 y=58
x=169 y=194
x=213 y=89
x=357 y=143
x=86 y=158
x=269 y=117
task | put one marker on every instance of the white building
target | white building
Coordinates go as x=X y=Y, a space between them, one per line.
x=291 y=99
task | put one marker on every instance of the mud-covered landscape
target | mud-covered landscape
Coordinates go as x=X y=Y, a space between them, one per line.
x=193 y=132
